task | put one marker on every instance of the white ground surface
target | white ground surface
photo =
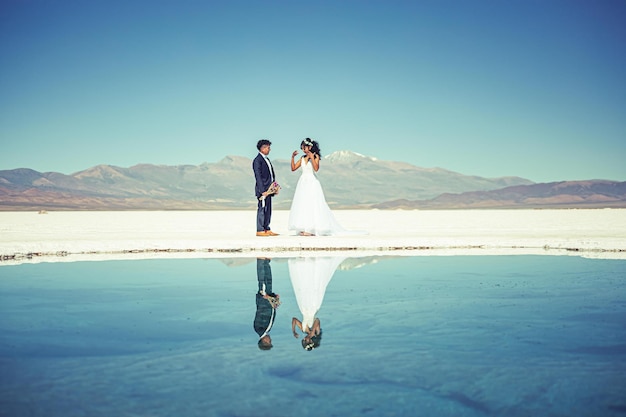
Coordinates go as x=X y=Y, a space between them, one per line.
x=71 y=236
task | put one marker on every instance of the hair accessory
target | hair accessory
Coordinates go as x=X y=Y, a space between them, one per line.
x=308 y=142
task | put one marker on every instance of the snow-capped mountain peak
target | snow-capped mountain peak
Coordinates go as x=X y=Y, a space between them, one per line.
x=347 y=156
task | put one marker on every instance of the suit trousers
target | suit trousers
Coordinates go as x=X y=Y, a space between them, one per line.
x=264 y=214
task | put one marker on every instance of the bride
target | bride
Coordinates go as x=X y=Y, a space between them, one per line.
x=310 y=214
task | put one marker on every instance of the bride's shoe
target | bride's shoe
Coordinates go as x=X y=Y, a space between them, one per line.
x=306 y=234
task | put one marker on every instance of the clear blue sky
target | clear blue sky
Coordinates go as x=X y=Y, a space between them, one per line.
x=533 y=88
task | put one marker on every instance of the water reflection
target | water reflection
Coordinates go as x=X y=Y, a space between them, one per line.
x=309 y=278
x=266 y=303
x=421 y=336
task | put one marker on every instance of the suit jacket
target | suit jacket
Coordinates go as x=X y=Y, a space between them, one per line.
x=265 y=313
x=262 y=175
x=264 y=318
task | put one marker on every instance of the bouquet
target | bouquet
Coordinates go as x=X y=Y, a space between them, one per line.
x=274 y=188
x=274 y=300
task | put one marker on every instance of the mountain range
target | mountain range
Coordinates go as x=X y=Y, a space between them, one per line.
x=350 y=180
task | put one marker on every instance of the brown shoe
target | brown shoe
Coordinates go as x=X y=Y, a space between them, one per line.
x=270 y=233
x=262 y=234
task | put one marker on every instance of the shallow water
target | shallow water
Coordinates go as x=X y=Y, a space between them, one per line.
x=425 y=336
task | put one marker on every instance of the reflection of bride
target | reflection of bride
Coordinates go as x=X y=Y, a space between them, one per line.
x=309 y=278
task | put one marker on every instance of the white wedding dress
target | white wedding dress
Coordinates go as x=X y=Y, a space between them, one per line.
x=309 y=211
x=309 y=278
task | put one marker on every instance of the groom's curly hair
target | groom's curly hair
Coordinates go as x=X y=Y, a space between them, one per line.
x=262 y=142
x=315 y=146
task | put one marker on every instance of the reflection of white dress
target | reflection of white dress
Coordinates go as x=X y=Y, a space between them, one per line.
x=309 y=278
x=309 y=211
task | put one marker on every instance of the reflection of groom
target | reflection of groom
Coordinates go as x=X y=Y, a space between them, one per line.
x=264 y=176
x=265 y=310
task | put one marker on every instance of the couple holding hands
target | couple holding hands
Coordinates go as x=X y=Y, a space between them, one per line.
x=309 y=214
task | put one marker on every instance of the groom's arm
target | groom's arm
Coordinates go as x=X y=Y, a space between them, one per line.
x=258 y=176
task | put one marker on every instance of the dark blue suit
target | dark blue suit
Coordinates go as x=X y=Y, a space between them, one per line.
x=265 y=313
x=263 y=176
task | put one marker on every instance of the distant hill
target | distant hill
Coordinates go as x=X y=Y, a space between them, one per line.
x=565 y=194
x=350 y=180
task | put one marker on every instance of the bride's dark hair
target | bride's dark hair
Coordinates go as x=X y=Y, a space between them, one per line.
x=315 y=146
x=314 y=343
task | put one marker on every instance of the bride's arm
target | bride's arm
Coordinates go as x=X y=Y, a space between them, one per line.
x=295 y=322
x=295 y=165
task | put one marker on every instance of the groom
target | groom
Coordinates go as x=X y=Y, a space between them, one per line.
x=264 y=176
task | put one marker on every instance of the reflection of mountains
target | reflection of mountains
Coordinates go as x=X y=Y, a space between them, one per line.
x=355 y=263
x=346 y=265
x=235 y=262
